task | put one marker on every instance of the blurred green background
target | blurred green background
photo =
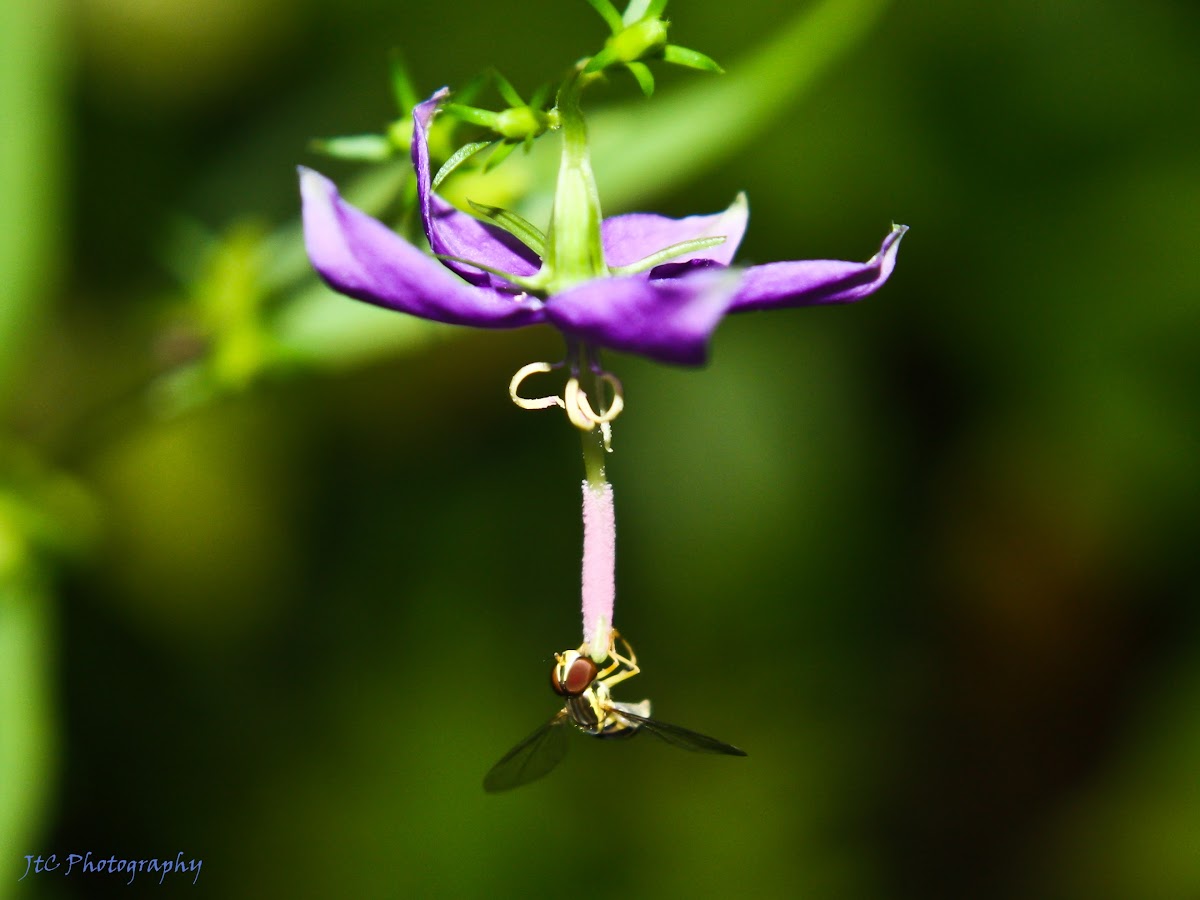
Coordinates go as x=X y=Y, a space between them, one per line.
x=280 y=603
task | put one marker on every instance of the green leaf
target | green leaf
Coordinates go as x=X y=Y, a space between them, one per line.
x=473 y=114
x=541 y=95
x=403 y=90
x=645 y=78
x=507 y=91
x=461 y=155
x=692 y=59
x=609 y=13
x=27 y=739
x=469 y=91
x=503 y=150
x=523 y=230
x=355 y=147
x=604 y=58
x=33 y=45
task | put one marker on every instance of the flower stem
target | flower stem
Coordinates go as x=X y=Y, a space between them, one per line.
x=593 y=458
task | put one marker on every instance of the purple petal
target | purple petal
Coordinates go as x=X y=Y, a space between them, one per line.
x=669 y=320
x=813 y=282
x=636 y=235
x=363 y=258
x=454 y=233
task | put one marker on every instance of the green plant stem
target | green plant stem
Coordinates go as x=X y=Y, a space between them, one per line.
x=593 y=458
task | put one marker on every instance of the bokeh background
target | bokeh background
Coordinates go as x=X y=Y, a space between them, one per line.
x=929 y=559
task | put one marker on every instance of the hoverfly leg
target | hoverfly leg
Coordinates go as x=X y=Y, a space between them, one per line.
x=584 y=650
x=629 y=663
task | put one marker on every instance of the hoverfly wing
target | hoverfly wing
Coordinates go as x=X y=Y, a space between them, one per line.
x=681 y=737
x=531 y=759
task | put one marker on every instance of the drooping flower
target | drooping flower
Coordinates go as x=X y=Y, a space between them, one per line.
x=660 y=289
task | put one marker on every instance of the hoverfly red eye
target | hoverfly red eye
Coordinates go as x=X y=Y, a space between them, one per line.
x=578 y=678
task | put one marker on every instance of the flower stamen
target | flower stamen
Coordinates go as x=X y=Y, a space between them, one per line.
x=524 y=372
x=574 y=399
x=608 y=411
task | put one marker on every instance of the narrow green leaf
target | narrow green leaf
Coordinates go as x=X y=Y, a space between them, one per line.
x=355 y=147
x=609 y=13
x=693 y=59
x=403 y=90
x=503 y=150
x=527 y=283
x=645 y=78
x=604 y=58
x=461 y=155
x=507 y=91
x=33 y=42
x=27 y=738
x=472 y=114
x=667 y=254
x=540 y=96
x=522 y=229
x=469 y=91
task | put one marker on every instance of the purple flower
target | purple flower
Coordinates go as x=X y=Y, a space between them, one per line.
x=667 y=312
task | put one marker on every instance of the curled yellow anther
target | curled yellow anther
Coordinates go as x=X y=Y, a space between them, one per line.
x=618 y=397
x=524 y=372
x=574 y=398
x=579 y=409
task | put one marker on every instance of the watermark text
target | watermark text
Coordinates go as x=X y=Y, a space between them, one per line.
x=88 y=863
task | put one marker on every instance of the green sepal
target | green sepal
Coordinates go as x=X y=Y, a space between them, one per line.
x=472 y=114
x=461 y=155
x=520 y=228
x=541 y=95
x=601 y=60
x=355 y=147
x=692 y=59
x=531 y=283
x=403 y=90
x=507 y=91
x=500 y=154
x=609 y=13
x=666 y=255
x=469 y=91
x=645 y=78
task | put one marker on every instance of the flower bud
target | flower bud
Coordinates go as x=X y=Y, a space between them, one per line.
x=640 y=40
x=519 y=123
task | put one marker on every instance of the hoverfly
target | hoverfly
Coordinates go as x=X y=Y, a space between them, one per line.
x=590 y=708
